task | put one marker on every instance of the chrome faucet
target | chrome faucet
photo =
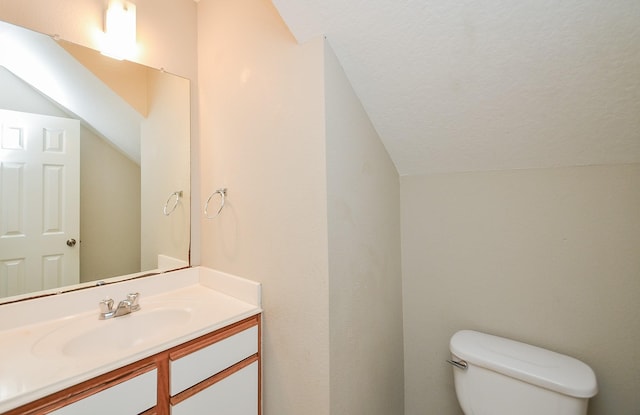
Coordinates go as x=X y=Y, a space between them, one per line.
x=127 y=306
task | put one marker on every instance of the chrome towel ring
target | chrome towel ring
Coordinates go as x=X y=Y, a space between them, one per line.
x=223 y=194
x=175 y=195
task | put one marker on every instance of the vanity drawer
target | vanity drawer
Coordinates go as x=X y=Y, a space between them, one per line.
x=133 y=396
x=235 y=394
x=194 y=367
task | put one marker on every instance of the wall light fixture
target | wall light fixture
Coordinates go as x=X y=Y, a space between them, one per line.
x=120 y=30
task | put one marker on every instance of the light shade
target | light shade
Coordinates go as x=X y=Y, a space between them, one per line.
x=120 y=30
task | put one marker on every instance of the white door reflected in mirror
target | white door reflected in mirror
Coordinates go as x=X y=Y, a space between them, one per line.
x=39 y=202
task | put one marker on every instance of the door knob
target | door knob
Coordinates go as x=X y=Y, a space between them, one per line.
x=71 y=242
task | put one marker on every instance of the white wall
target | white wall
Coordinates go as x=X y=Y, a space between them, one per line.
x=365 y=285
x=17 y=95
x=550 y=257
x=262 y=123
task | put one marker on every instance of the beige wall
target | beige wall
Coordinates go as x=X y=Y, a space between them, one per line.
x=262 y=123
x=165 y=170
x=109 y=210
x=289 y=139
x=365 y=285
x=127 y=79
x=550 y=257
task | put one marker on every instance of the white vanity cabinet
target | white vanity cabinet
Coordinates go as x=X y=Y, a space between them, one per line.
x=218 y=372
x=133 y=396
x=131 y=389
x=237 y=394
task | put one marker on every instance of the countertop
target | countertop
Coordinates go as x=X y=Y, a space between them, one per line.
x=31 y=367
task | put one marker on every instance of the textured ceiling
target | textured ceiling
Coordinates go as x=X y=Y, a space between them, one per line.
x=462 y=85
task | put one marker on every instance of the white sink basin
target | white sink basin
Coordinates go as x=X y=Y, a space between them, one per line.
x=88 y=336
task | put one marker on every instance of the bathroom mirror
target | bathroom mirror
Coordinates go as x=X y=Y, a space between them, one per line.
x=94 y=167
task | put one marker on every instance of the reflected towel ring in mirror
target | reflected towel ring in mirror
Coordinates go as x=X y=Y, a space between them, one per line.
x=223 y=193
x=175 y=195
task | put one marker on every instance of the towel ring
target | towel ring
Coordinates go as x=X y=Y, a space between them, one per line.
x=177 y=195
x=223 y=193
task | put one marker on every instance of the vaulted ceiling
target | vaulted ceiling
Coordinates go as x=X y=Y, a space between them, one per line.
x=492 y=84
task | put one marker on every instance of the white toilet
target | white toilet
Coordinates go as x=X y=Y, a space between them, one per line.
x=498 y=376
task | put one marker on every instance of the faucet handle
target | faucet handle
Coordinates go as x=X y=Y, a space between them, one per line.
x=106 y=305
x=133 y=299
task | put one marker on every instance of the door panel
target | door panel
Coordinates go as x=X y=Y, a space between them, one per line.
x=39 y=202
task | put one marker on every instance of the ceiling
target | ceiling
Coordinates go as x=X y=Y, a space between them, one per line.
x=462 y=85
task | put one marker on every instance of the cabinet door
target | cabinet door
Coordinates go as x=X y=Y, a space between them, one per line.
x=130 y=397
x=234 y=395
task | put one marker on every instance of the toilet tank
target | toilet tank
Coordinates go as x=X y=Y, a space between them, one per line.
x=506 y=377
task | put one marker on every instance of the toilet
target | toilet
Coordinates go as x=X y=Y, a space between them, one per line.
x=498 y=376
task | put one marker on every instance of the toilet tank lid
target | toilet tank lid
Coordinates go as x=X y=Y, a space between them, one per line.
x=531 y=364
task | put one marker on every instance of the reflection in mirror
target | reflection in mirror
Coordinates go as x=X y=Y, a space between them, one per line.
x=94 y=166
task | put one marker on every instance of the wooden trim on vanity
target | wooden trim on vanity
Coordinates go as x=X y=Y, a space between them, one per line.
x=84 y=389
x=162 y=403
x=213 y=337
x=259 y=317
